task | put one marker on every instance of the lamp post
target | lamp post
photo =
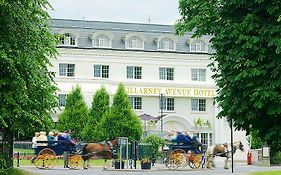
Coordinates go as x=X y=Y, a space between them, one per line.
x=231 y=142
x=162 y=101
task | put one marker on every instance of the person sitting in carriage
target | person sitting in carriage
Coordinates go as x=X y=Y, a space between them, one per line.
x=182 y=139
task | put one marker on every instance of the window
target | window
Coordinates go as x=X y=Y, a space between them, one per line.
x=62 y=100
x=166 y=73
x=166 y=44
x=198 y=46
x=67 y=70
x=102 y=41
x=134 y=72
x=204 y=138
x=210 y=138
x=198 y=74
x=136 y=102
x=135 y=42
x=169 y=104
x=198 y=104
x=68 y=39
x=101 y=71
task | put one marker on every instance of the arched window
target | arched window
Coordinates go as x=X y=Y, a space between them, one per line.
x=68 y=39
x=198 y=46
x=166 y=44
x=101 y=40
x=134 y=42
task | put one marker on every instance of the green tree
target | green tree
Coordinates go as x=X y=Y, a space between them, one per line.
x=247 y=64
x=27 y=87
x=100 y=106
x=75 y=114
x=121 y=121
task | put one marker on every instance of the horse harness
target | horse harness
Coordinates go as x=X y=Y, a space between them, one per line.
x=108 y=143
x=104 y=145
x=224 y=154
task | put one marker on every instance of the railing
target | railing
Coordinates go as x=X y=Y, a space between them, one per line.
x=23 y=144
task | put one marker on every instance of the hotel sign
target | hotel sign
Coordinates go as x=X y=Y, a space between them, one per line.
x=177 y=92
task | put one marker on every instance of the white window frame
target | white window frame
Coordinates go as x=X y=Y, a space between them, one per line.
x=65 y=70
x=169 y=104
x=198 y=46
x=101 y=41
x=198 y=105
x=205 y=137
x=68 y=39
x=62 y=100
x=166 y=44
x=134 y=42
x=133 y=72
x=164 y=73
x=136 y=102
x=198 y=74
x=103 y=71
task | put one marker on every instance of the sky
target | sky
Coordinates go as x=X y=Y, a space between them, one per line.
x=136 y=11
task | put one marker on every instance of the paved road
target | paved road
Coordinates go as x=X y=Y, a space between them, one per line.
x=240 y=169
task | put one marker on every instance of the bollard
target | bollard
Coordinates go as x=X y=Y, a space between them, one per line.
x=249 y=158
x=130 y=163
x=18 y=159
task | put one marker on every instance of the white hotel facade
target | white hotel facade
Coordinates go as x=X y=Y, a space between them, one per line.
x=148 y=59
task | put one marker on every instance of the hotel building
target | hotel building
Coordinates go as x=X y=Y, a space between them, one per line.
x=152 y=62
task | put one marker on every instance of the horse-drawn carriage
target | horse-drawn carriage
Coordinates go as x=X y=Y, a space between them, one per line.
x=46 y=156
x=179 y=156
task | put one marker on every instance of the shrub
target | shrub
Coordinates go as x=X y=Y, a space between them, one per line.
x=3 y=166
x=155 y=142
x=276 y=159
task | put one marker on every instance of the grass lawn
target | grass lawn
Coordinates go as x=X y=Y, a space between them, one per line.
x=97 y=162
x=16 y=171
x=22 y=151
x=267 y=173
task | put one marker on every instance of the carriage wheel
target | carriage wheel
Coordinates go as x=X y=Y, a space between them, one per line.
x=177 y=159
x=46 y=159
x=195 y=160
x=74 y=161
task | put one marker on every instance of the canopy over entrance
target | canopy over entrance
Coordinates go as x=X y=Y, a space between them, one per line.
x=146 y=117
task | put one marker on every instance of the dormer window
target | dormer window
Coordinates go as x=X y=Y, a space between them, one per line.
x=101 y=40
x=198 y=46
x=134 y=41
x=166 y=43
x=68 y=39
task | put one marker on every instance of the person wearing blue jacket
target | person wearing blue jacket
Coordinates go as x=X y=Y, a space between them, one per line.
x=182 y=139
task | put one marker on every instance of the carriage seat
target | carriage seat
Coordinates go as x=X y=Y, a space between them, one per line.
x=186 y=147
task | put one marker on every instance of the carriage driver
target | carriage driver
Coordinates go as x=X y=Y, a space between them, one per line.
x=69 y=146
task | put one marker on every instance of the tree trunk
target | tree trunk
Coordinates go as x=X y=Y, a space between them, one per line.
x=7 y=147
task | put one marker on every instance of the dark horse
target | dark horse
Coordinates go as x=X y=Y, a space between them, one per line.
x=102 y=149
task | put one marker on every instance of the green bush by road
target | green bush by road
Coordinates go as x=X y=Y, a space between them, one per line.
x=16 y=171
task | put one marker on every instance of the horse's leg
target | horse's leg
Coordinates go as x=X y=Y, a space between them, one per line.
x=88 y=163
x=84 y=164
x=105 y=166
x=225 y=163
x=213 y=163
x=208 y=164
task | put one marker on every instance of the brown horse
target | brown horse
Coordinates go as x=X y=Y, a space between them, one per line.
x=102 y=149
x=221 y=150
